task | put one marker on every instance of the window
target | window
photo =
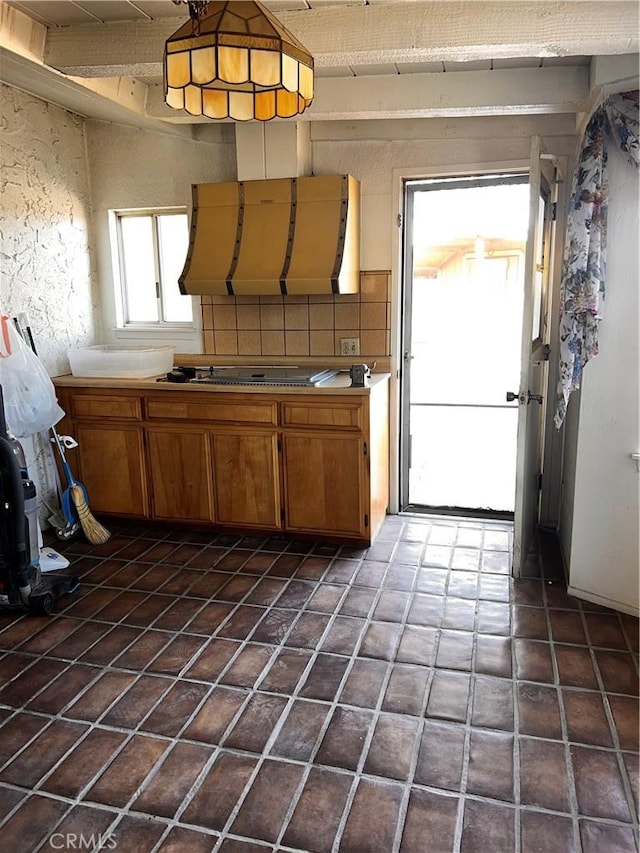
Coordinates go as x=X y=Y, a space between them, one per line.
x=152 y=247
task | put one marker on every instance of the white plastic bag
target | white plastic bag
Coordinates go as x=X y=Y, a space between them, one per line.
x=29 y=395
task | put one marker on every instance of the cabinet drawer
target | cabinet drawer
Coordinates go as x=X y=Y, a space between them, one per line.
x=224 y=411
x=90 y=406
x=340 y=415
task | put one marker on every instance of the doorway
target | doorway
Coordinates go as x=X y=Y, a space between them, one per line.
x=464 y=275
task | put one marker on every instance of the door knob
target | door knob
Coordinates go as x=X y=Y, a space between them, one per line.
x=523 y=398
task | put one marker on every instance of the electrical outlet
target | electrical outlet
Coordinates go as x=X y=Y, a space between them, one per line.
x=349 y=346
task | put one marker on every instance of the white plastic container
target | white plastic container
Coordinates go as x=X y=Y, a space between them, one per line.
x=109 y=361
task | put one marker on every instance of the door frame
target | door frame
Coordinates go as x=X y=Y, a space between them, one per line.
x=551 y=486
x=409 y=193
x=553 y=453
x=535 y=354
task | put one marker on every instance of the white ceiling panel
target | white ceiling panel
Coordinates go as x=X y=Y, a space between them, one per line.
x=555 y=61
x=419 y=67
x=518 y=62
x=472 y=65
x=373 y=70
x=113 y=10
x=54 y=13
x=337 y=71
x=161 y=9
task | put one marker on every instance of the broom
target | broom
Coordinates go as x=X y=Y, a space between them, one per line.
x=91 y=527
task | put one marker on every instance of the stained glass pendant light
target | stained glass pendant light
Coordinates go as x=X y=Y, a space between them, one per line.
x=236 y=60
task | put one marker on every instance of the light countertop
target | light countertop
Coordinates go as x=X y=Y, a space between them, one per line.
x=339 y=384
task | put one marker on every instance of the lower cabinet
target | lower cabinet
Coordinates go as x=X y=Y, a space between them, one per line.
x=179 y=464
x=223 y=475
x=112 y=469
x=316 y=465
x=245 y=472
x=324 y=483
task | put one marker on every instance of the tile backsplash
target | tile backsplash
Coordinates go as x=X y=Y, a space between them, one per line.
x=300 y=325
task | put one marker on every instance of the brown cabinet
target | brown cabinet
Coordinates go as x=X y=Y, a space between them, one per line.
x=227 y=468
x=263 y=461
x=247 y=484
x=111 y=462
x=325 y=483
x=335 y=459
x=179 y=464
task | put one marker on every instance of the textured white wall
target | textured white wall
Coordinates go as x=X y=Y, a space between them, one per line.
x=45 y=240
x=133 y=168
x=373 y=151
x=44 y=229
x=55 y=169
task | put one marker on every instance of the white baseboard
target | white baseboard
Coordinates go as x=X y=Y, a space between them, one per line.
x=605 y=602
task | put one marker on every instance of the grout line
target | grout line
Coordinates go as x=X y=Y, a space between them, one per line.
x=625 y=633
x=572 y=795
x=417 y=743
x=277 y=646
x=171 y=822
x=479 y=798
x=21 y=802
x=613 y=731
x=52 y=830
x=338 y=692
x=374 y=717
x=517 y=792
x=123 y=729
x=263 y=755
x=466 y=754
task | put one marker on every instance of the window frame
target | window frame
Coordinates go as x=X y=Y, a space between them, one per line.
x=161 y=324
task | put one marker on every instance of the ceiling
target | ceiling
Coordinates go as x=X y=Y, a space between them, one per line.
x=61 y=13
x=373 y=58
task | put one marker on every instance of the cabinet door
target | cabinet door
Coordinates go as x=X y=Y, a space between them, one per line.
x=324 y=479
x=112 y=468
x=180 y=471
x=245 y=470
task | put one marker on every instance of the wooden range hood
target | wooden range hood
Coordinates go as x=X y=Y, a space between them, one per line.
x=278 y=236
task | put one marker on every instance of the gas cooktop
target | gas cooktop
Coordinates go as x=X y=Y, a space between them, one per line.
x=305 y=376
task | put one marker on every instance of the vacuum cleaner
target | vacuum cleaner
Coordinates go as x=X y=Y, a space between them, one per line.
x=22 y=584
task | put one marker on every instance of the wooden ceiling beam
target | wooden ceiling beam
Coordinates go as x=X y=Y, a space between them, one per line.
x=339 y=36
x=518 y=91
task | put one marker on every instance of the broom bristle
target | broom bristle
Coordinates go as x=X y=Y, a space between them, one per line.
x=91 y=527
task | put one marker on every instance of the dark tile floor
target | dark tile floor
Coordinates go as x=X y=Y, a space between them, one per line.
x=247 y=694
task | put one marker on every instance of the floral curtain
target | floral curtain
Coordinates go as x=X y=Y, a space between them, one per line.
x=582 y=288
